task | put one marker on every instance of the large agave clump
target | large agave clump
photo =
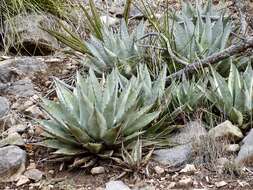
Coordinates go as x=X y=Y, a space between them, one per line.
x=234 y=96
x=116 y=49
x=95 y=116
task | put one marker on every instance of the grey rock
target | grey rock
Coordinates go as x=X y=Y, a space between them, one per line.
x=245 y=155
x=12 y=139
x=11 y=69
x=183 y=138
x=20 y=128
x=116 y=185
x=190 y=132
x=226 y=130
x=34 y=174
x=4 y=106
x=175 y=156
x=12 y=162
x=21 y=88
x=27 y=38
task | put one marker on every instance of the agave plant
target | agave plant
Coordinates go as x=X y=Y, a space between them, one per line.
x=198 y=38
x=191 y=34
x=134 y=160
x=153 y=87
x=96 y=116
x=106 y=48
x=200 y=9
x=186 y=93
x=118 y=49
x=233 y=97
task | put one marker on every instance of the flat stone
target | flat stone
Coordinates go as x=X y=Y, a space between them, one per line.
x=12 y=69
x=116 y=185
x=226 y=130
x=34 y=174
x=4 y=106
x=12 y=163
x=245 y=155
x=20 y=128
x=190 y=132
x=22 y=180
x=97 y=170
x=189 y=168
x=12 y=139
x=220 y=184
x=21 y=88
x=174 y=156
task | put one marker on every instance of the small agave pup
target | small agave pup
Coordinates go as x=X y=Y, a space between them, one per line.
x=95 y=117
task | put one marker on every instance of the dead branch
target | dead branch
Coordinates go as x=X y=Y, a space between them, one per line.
x=215 y=58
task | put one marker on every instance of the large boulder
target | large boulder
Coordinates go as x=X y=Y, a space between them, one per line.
x=27 y=37
x=245 y=155
x=12 y=163
x=226 y=130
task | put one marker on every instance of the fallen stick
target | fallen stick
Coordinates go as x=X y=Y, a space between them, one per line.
x=214 y=58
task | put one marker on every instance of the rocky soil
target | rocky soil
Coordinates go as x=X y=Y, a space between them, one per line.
x=200 y=159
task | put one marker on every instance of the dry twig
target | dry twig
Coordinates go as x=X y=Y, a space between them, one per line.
x=215 y=58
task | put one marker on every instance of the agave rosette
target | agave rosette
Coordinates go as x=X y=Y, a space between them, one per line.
x=116 y=49
x=96 y=116
x=233 y=96
x=199 y=39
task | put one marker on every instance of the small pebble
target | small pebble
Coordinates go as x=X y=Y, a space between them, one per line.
x=220 y=184
x=97 y=170
x=185 y=182
x=159 y=170
x=189 y=168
